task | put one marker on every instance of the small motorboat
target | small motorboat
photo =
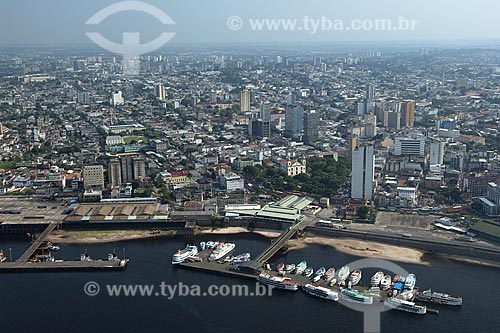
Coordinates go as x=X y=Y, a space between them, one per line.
x=308 y=272
x=319 y=274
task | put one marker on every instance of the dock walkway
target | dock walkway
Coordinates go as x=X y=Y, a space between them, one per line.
x=36 y=244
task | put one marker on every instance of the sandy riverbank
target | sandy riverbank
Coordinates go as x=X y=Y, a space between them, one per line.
x=97 y=237
x=363 y=249
x=110 y=236
x=239 y=230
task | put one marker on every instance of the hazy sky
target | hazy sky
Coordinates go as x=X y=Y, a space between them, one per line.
x=62 y=21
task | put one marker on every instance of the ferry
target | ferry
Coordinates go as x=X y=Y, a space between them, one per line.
x=221 y=251
x=377 y=278
x=181 y=255
x=410 y=281
x=321 y=292
x=438 y=298
x=319 y=274
x=330 y=274
x=278 y=282
x=354 y=296
x=385 y=283
x=355 y=277
x=301 y=267
x=308 y=272
x=344 y=273
x=402 y=305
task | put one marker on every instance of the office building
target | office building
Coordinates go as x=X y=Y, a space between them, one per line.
x=160 y=92
x=294 y=120
x=370 y=91
x=363 y=171
x=93 y=177
x=117 y=98
x=437 y=153
x=394 y=120
x=115 y=172
x=409 y=146
x=311 y=125
x=245 y=100
x=408 y=114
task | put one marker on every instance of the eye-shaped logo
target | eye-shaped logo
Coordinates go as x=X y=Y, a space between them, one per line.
x=131 y=48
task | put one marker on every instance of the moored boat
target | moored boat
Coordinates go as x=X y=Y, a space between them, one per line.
x=319 y=274
x=377 y=278
x=343 y=274
x=330 y=274
x=385 y=283
x=308 y=272
x=280 y=267
x=402 y=305
x=301 y=267
x=203 y=246
x=410 y=281
x=354 y=296
x=278 y=282
x=221 y=251
x=289 y=268
x=355 y=277
x=241 y=258
x=181 y=255
x=321 y=292
x=2 y=257
x=438 y=298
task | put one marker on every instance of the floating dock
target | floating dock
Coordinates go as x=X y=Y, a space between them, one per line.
x=68 y=266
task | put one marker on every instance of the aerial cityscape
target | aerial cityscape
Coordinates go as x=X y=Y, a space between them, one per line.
x=235 y=185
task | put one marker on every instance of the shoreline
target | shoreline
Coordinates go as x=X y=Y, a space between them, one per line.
x=366 y=249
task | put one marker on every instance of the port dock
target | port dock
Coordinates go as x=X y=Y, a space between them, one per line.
x=25 y=262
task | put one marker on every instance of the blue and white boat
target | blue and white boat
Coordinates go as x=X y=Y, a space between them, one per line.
x=410 y=281
x=319 y=274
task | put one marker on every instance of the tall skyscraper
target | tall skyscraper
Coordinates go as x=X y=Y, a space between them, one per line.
x=160 y=92
x=245 y=100
x=408 y=114
x=290 y=100
x=370 y=91
x=311 y=125
x=394 y=120
x=294 y=120
x=139 y=167
x=363 y=171
x=126 y=169
x=115 y=172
